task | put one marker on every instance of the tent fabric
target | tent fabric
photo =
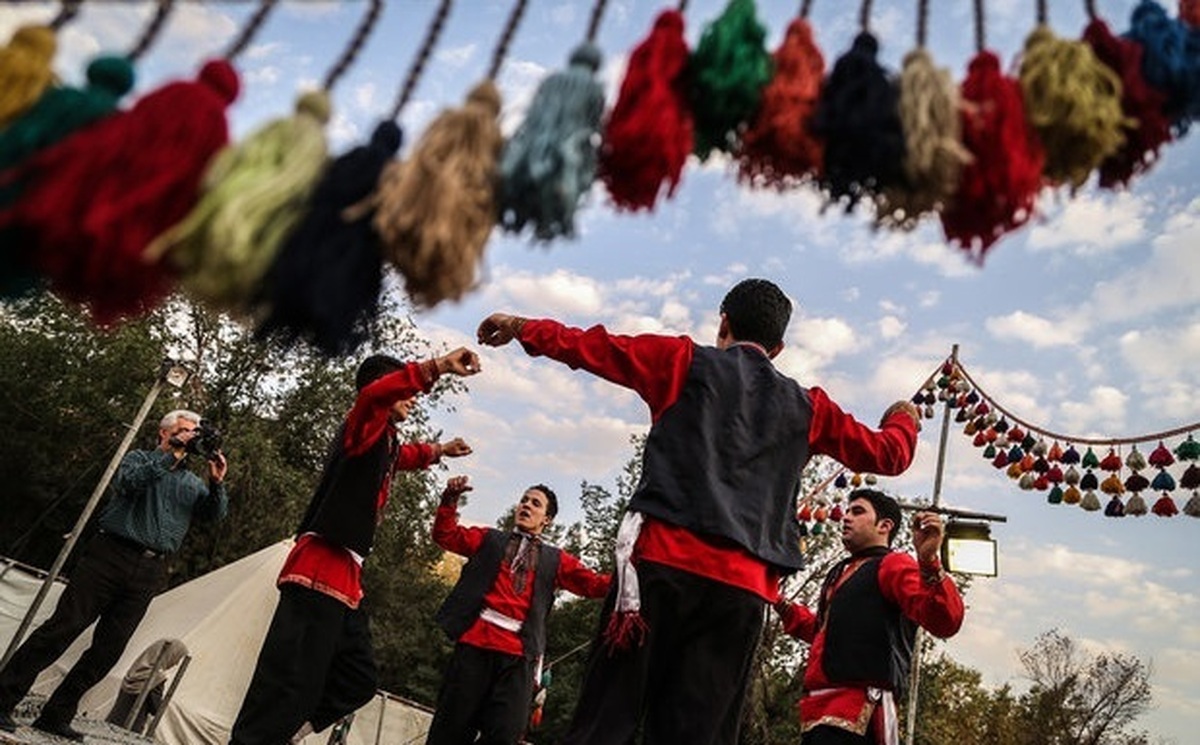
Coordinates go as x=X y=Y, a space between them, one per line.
x=223 y=618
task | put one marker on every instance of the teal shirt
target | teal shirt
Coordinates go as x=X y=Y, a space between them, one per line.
x=153 y=503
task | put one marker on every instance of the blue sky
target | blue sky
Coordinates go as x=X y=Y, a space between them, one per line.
x=1084 y=322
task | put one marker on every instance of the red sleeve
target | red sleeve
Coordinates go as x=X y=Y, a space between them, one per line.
x=371 y=415
x=415 y=456
x=655 y=367
x=934 y=605
x=887 y=451
x=453 y=537
x=799 y=621
x=576 y=578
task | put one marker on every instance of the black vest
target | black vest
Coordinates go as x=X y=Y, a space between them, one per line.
x=465 y=601
x=725 y=459
x=344 y=507
x=868 y=641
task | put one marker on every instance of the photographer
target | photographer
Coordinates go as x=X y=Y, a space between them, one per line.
x=153 y=499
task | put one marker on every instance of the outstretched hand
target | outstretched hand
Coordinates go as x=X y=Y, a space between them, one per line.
x=456 y=486
x=456 y=448
x=499 y=329
x=461 y=361
x=908 y=407
x=928 y=530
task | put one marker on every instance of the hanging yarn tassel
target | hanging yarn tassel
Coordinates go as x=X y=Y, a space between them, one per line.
x=934 y=156
x=119 y=183
x=728 y=71
x=1071 y=495
x=550 y=162
x=1091 y=502
x=1164 y=506
x=1073 y=101
x=25 y=70
x=1192 y=508
x=779 y=148
x=858 y=119
x=59 y=112
x=1114 y=508
x=1189 y=12
x=998 y=188
x=324 y=285
x=1147 y=127
x=1170 y=60
x=437 y=208
x=254 y=194
x=649 y=132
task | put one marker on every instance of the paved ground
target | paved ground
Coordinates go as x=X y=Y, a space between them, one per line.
x=95 y=732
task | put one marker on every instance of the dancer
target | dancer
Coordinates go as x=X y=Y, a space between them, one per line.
x=862 y=634
x=316 y=664
x=712 y=525
x=496 y=614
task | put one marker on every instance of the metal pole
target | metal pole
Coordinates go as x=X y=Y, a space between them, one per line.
x=914 y=678
x=73 y=536
x=162 y=708
x=140 y=701
x=382 y=714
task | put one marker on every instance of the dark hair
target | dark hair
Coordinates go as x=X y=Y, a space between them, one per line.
x=551 y=498
x=886 y=508
x=757 y=311
x=373 y=368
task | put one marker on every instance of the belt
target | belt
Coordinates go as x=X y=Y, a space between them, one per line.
x=499 y=619
x=133 y=545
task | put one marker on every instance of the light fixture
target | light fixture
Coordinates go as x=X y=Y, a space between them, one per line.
x=968 y=548
x=175 y=372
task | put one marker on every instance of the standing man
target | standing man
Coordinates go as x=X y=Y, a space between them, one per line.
x=317 y=663
x=154 y=498
x=867 y=615
x=712 y=525
x=496 y=614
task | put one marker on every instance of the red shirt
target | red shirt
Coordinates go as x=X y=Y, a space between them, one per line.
x=656 y=368
x=503 y=598
x=326 y=567
x=934 y=605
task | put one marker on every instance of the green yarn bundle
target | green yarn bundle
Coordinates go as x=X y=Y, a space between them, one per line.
x=1073 y=101
x=550 y=162
x=254 y=194
x=729 y=69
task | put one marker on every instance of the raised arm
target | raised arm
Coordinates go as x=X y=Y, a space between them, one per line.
x=887 y=451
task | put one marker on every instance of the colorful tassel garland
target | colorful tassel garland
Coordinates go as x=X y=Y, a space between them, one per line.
x=1147 y=127
x=324 y=285
x=438 y=207
x=858 y=119
x=60 y=111
x=728 y=71
x=25 y=71
x=550 y=162
x=1170 y=60
x=254 y=195
x=121 y=181
x=931 y=117
x=1073 y=102
x=997 y=191
x=650 y=132
x=779 y=148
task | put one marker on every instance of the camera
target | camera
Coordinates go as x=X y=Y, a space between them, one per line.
x=205 y=442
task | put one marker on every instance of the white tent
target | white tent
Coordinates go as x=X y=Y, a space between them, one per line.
x=222 y=617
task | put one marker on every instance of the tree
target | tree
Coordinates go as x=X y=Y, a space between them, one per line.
x=1077 y=698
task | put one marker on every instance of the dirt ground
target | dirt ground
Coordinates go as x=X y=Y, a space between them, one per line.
x=95 y=731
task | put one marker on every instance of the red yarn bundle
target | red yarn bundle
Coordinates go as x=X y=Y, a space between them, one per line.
x=91 y=203
x=1000 y=186
x=1189 y=12
x=650 y=132
x=779 y=148
x=1139 y=101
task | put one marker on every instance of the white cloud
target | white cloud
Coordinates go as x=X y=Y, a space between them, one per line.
x=456 y=57
x=813 y=344
x=1032 y=329
x=1102 y=412
x=891 y=327
x=1091 y=223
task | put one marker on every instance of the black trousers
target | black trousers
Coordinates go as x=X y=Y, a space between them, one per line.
x=687 y=681
x=826 y=735
x=316 y=665
x=112 y=585
x=484 y=692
